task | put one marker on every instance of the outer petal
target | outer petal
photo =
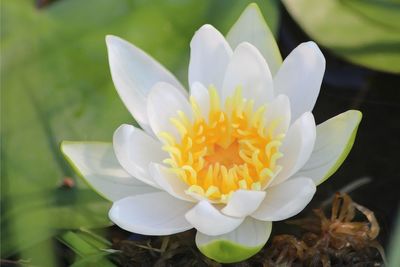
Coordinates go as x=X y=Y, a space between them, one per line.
x=243 y=203
x=134 y=73
x=163 y=103
x=279 y=110
x=335 y=137
x=135 y=150
x=297 y=147
x=200 y=94
x=300 y=77
x=248 y=70
x=169 y=182
x=238 y=245
x=210 y=221
x=251 y=27
x=97 y=164
x=151 y=214
x=285 y=200
x=209 y=56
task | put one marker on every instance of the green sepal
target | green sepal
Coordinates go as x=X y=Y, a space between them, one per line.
x=224 y=251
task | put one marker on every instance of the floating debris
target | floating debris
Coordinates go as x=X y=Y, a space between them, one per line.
x=334 y=241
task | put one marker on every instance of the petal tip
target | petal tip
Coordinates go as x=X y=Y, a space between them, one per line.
x=317 y=51
x=112 y=40
x=207 y=27
x=311 y=44
x=253 y=6
x=204 y=30
x=122 y=130
x=63 y=143
x=309 y=117
x=254 y=9
x=109 y=38
x=358 y=114
x=244 y=45
x=248 y=46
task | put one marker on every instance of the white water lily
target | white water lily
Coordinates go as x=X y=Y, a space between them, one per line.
x=240 y=151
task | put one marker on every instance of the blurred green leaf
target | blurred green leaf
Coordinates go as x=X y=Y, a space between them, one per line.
x=95 y=260
x=94 y=239
x=88 y=254
x=56 y=86
x=365 y=32
x=382 y=12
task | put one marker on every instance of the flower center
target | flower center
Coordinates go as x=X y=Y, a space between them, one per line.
x=231 y=149
x=227 y=157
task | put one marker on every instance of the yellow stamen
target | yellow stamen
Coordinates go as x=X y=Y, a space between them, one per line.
x=231 y=149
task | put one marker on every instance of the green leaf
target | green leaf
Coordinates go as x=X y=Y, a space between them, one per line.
x=365 y=32
x=56 y=86
x=95 y=260
x=36 y=216
x=88 y=254
x=384 y=12
x=94 y=239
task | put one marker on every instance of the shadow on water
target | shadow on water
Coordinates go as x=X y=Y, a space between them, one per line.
x=375 y=153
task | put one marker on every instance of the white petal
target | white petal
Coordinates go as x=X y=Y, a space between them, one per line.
x=238 y=245
x=279 y=110
x=134 y=73
x=151 y=214
x=97 y=164
x=202 y=97
x=199 y=197
x=296 y=147
x=286 y=199
x=209 y=56
x=243 y=203
x=300 y=77
x=170 y=182
x=135 y=149
x=251 y=27
x=163 y=103
x=210 y=221
x=248 y=70
x=335 y=137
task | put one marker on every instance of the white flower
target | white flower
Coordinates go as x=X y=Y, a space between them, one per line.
x=241 y=151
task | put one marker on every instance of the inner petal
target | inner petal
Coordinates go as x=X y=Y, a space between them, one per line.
x=232 y=149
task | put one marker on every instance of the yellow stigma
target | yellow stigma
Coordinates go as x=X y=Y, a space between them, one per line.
x=231 y=149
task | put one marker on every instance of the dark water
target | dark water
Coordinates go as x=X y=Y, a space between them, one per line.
x=376 y=151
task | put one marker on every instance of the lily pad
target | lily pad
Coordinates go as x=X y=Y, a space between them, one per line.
x=364 y=32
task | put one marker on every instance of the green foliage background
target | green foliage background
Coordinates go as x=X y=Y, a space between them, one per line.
x=364 y=32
